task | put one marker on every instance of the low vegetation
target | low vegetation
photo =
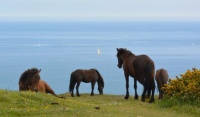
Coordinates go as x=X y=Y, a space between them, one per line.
x=181 y=99
x=186 y=88
x=183 y=93
x=14 y=103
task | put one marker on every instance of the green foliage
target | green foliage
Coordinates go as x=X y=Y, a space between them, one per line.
x=173 y=104
x=185 y=89
x=15 y=103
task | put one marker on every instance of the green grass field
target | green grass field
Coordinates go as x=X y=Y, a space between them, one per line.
x=14 y=103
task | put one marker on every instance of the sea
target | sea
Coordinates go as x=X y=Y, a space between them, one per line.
x=59 y=48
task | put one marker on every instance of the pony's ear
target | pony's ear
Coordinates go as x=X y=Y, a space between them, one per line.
x=39 y=71
x=117 y=49
x=29 y=70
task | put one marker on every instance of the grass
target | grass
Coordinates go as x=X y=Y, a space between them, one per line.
x=13 y=103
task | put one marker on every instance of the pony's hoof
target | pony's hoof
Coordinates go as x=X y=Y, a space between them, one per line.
x=136 y=98
x=126 y=97
x=151 y=101
x=143 y=100
x=148 y=96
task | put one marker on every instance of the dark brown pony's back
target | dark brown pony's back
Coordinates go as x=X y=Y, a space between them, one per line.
x=141 y=68
x=161 y=79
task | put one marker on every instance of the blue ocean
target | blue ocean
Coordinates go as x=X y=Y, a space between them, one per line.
x=59 y=48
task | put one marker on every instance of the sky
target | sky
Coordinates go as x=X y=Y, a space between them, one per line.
x=63 y=10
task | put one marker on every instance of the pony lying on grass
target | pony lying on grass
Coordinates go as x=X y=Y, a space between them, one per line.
x=30 y=80
x=86 y=76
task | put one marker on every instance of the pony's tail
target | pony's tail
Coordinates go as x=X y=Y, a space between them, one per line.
x=71 y=84
x=100 y=80
x=150 y=71
x=157 y=78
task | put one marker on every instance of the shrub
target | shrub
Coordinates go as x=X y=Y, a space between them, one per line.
x=185 y=88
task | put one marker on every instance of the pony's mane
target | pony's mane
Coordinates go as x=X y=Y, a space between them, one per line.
x=34 y=71
x=122 y=50
x=26 y=73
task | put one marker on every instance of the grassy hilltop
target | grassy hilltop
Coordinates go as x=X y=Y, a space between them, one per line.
x=14 y=103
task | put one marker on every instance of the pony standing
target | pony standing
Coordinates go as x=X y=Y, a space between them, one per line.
x=86 y=76
x=161 y=79
x=141 y=68
x=30 y=80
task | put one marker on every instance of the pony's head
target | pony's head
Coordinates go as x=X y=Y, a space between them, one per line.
x=100 y=83
x=121 y=55
x=29 y=79
x=34 y=77
x=100 y=88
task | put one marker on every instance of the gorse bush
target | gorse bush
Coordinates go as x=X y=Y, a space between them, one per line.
x=185 y=88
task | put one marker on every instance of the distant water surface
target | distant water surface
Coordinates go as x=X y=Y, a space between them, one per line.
x=59 y=48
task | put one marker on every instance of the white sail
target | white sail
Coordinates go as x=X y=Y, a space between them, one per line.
x=99 y=52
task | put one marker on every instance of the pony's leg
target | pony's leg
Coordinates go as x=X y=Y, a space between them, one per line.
x=144 y=92
x=127 y=86
x=92 y=86
x=159 y=97
x=161 y=94
x=135 y=87
x=146 y=87
x=153 y=90
x=49 y=90
x=148 y=93
x=72 y=91
x=77 y=86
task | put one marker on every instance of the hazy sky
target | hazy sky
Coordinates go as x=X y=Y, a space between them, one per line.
x=11 y=10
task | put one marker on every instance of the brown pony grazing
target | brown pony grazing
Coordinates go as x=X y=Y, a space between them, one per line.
x=161 y=79
x=141 y=68
x=43 y=87
x=86 y=76
x=30 y=80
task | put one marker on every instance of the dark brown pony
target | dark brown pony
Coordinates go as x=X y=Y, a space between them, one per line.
x=161 y=79
x=30 y=81
x=86 y=76
x=141 y=68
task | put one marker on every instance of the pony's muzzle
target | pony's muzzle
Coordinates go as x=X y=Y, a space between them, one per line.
x=120 y=66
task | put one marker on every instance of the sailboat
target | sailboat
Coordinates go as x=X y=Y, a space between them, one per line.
x=99 y=52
